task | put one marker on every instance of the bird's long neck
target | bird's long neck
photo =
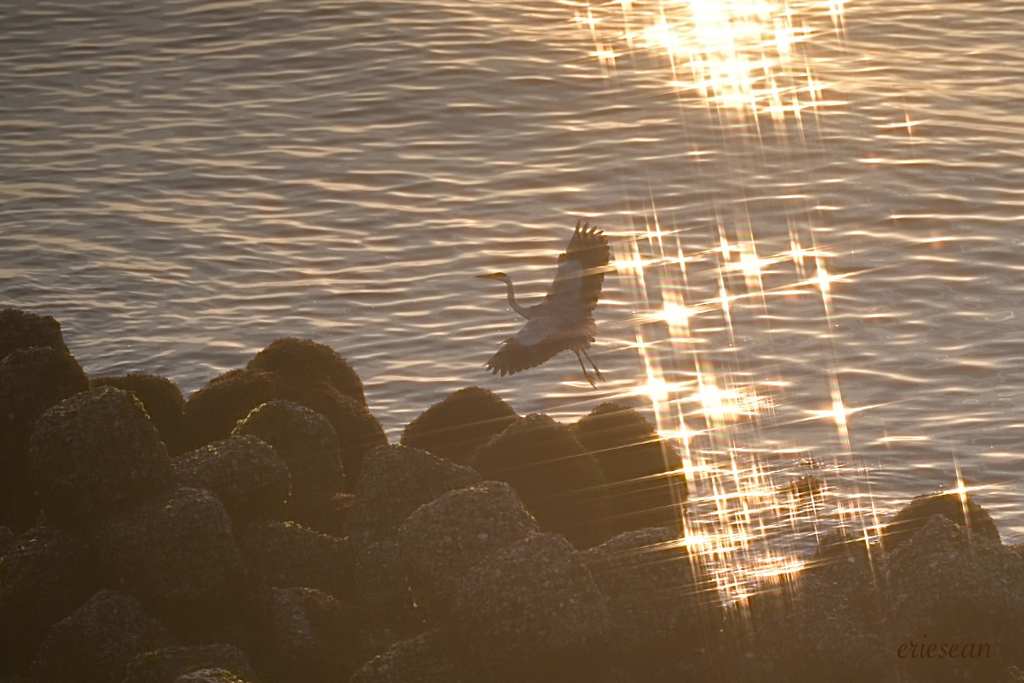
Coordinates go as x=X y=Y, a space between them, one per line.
x=521 y=310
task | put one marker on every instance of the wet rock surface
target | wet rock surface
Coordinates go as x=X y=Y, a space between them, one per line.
x=95 y=453
x=454 y=427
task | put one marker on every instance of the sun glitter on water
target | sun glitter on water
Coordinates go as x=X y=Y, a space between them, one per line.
x=740 y=56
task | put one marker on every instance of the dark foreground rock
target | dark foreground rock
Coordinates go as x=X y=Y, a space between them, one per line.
x=454 y=427
x=305 y=441
x=557 y=479
x=211 y=413
x=94 y=454
x=912 y=518
x=45 y=574
x=532 y=612
x=445 y=538
x=303 y=361
x=178 y=554
x=635 y=463
x=423 y=659
x=167 y=664
x=244 y=472
x=287 y=555
x=20 y=330
x=161 y=398
x=97 y=642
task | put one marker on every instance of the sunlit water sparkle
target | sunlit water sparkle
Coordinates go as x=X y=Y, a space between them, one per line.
x=814 y=209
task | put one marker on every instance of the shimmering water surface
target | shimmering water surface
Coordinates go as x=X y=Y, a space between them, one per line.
x=815 y=209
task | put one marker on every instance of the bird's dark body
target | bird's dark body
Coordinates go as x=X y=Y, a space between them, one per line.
x=564 y=320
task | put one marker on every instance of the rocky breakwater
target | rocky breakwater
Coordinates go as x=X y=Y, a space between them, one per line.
x=264 y=530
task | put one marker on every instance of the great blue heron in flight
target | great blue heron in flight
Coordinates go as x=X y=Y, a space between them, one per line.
x=564 y=319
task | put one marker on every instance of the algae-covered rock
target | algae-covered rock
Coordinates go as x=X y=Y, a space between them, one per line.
x=161 y=398
x=20 y=329
x=305 y=441
x=97 y=642
x=532 y=611
x=178 y=554
x=454 y=427
x=167 y=664
x=244 y=472
x=557 y=479
x=94 y=454
x=211 y=413
x=305 y=361
x=445 y=538
x=397 y=480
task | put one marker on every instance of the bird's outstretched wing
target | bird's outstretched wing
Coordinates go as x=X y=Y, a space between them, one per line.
x=540 y=339
x=581 y=270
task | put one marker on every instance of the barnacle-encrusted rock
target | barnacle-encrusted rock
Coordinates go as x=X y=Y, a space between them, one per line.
x=634 y=461
x=167 y=664
x=31 y=380
x=286 y=555
x=95 y=453
x=243 y=471
x=442 y=540
x=96 y=642
x=20 y=329
x=44 y=575
x=161 y=398
x=305 y=361
x=307 y=637
x=178 y=554
x=532 y=612
x=396 y=481
x=210 y=675
x=305 y=441
x=556 y=478
x=381 y=593
x=212 y=412
x=452 y=428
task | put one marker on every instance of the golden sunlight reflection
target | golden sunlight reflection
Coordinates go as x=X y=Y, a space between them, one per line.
x=761 y=494
x=742 y=56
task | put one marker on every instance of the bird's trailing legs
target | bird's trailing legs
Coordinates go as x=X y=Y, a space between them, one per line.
x=584 y=368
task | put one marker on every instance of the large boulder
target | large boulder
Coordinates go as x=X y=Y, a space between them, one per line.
x=396 y=480
x=445 y=538
x=286 y=555
x=951 y=587
x=305 y=441
x=531 y=612
x=557 y=479
x=243 y=471
x=653 y=597
x=31 y=380
x=635 y=463
x=167 y=664
x=307 y=636
x=211 y=413
x=454 y=427
x=303 y=361
x=94 y=454
x=178 y=554
x=358 y=430
x=20 y=329
x=161 y=398
x=381 y=593
x=97 y=642
x=912 y=518
x=45 y=574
